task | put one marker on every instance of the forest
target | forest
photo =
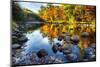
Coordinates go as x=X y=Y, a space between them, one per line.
x=70 y=17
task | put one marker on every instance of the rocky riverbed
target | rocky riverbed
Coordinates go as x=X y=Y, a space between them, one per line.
x=33 y=48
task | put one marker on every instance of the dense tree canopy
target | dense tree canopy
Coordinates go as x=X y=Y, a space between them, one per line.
x=67 y=12
x=72 y=18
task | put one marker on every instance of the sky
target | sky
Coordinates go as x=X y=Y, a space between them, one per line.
x=35 y=7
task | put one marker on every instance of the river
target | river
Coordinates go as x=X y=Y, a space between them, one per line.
x=36 y=41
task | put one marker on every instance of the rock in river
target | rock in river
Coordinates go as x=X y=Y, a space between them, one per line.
x=85 y=35
x=67 y=51
x=55 y=48
x=75 y=39
x=16 y=46
x=42 y=53
x=23 y=39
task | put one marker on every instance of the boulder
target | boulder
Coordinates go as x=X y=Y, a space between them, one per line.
x=93 y=45
x=16 y=46
x=67 y=39
x=14 y=37
x=85 y=35
x=58 y=44
x=75 y=39
x=60 y=38
x=72 y=57
x=89 y=53
x=55 y=48
x=23 y=39
x=68 y=34
x=67 y=51
x=42 y=53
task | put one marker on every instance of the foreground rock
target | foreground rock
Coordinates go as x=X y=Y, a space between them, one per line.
x=42 y=53
x=32 y=58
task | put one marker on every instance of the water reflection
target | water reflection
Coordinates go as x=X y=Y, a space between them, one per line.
x=37 y=41
x=68 y=46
